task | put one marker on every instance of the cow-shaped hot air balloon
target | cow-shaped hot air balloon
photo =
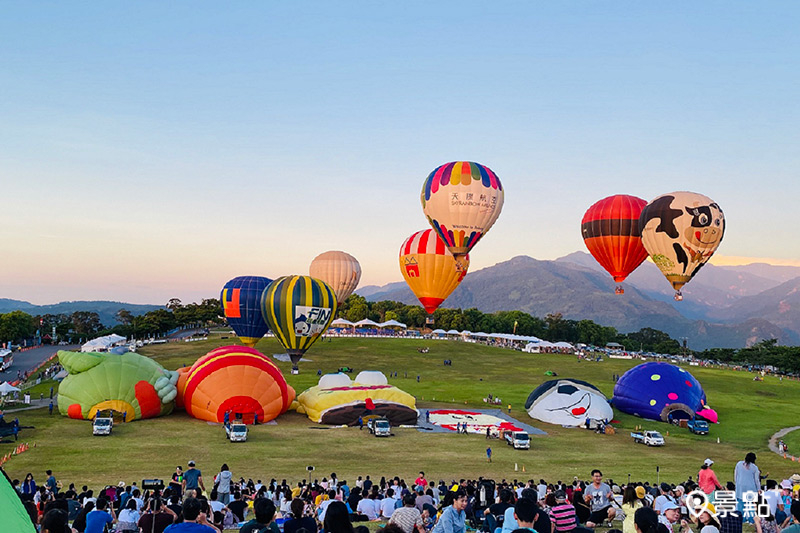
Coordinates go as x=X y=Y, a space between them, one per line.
x=430 y=269
x=298 y=310
x=339 y=270
x=681 y=231
x=610 y=231
x=462 y=201
x=241 y=304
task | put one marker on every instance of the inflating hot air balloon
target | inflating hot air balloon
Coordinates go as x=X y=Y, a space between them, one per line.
x=610 y=231
x=298 y=310
x=339 y=270
x=234 y=379
x=241 y=304
x=430 y=269
x=462 y=200
x=681 y=231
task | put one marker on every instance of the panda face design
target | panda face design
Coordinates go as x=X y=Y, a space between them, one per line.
x=568 y=402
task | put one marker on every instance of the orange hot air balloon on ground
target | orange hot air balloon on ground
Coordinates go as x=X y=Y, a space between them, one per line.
x=610 y=231
x=339 y=270
x=237 y=380
x=430 y=269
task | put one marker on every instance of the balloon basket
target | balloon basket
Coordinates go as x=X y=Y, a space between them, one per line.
x=619 y=290
x=295 y=371
x=678 y=296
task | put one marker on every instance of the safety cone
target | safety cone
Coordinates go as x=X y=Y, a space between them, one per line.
x=523 y=468
x=717 y=440
x=516 y=467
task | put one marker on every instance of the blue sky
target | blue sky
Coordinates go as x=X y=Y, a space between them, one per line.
x=151 y=150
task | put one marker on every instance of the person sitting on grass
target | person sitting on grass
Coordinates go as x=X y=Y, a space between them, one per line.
x=408 y=517
x=599 y=495
x=795 y=510
x=103 y=514
x=194 y=519
x=525 y=512
x=264 y=510
x=453 y=519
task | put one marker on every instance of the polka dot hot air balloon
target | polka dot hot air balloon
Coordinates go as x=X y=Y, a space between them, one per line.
x=298 y=310
x=241 y=304
x=681 y=231
x=430 y=269
x=610 y=231
x=462 y=200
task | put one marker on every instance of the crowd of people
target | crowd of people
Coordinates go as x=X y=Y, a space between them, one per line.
x=333 y=505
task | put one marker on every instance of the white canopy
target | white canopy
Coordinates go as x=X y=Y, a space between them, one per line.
x=7 y=387
x=479 y=334
x=563 y=344
x=453 y=332
x=342 y=322
x=439 y=331
x=102 y=343
x=392 y=324
x=366 y=322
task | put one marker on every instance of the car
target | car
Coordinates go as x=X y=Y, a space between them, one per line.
x=698 y=427
x=102 y=425
x=380 y=427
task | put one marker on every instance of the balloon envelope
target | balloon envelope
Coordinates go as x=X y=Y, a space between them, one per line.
x=430 y=269
x=241 y=304
x=339 y=270
x=681 y=231
x=462 y=200
x=298 y=310
x=610 y=231
x=568 y=402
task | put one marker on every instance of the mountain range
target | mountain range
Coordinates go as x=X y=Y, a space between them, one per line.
x=724 y=307
x=106 y=310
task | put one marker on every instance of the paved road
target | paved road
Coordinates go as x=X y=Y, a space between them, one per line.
x=773 y=441
x=30 y=359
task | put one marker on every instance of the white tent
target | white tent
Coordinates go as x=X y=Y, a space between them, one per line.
x=339 y=322
x=562 y=344
x=102 y=343
x=453 y=332
x=7 y=387
x=366 y=322
x=438 y=332
x=392 y=324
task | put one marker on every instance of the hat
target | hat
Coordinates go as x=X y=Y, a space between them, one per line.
x=121 y=484
x=680 y=488
x=561 y=496
x=191 y=463
x=786 y=484
x=795 y=478
x=708 y=462
x=669 y=505
x=616 y=490
x=665 y=487
x=640 y=492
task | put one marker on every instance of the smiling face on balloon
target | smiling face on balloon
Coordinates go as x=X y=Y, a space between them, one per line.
x=706 y=227
x=568 y=402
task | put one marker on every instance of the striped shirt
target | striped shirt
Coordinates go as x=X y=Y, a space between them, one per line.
x=564 y=517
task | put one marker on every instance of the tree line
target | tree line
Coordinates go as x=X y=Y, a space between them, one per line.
x=764 y=353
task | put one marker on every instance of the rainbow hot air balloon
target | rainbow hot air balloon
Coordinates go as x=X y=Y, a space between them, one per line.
x=430 y=269
x=681 y=231
x=610 y=230
x=339 y=270
x=241 y=304
x=298 y=310
x=462 y=200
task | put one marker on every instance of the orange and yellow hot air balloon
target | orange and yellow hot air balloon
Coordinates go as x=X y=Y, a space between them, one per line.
x=462 y=200
x=339 y=270
x=234 y=379
x=430 y=269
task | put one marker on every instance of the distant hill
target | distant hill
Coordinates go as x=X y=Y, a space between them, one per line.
x=105 y=309
x=779 y=305
x=578 y=288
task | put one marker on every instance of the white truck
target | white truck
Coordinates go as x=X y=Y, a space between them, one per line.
x=650 y=438
x=102 y=425
x=236 y=432
x=380 y=427
x=520 y=440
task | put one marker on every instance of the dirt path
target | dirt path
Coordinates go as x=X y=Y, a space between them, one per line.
x=773 y=440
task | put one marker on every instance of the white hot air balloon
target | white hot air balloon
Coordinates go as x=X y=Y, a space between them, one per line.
x=339 y=270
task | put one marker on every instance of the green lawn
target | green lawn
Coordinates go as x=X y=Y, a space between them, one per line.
x=749 y=411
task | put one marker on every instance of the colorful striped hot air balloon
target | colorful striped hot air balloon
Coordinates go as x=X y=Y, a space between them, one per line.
x=298 y=310
x=339 y=270
x=610 y=231
x=430 y=269
x=241 y=304
x=681 y=231
x=462 y=200
x=237 y=380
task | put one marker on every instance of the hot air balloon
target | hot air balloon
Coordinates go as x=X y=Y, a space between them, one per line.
x=430 y=269
x=610 y=229
x=241 y=304
x=298 y=310
x=681 y=231
x=462 y=200
x=339 y=270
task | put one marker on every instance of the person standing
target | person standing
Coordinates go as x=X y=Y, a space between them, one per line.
x=193 y=478
x=488 y=454
x=747 y=478
x=223 y=482
x=52 y=484
x=707 y=480
x=176 y=484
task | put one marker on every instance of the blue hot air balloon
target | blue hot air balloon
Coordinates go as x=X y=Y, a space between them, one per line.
x=661 y=391
x=241 y=304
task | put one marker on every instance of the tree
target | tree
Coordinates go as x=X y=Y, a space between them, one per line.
x=390 y=315
x=85 y=322
x=124 y=317
x=174 y=303
x=16 y=326
x=358 y=311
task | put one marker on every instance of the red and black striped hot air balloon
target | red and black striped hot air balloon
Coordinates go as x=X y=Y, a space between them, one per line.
x=611 y=232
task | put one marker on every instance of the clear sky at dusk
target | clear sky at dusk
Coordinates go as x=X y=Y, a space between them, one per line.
x=157 y=149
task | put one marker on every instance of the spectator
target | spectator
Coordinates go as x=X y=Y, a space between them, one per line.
x=599 y=496
x=337 y=519
x=129 y=518
x=453 y=519
x=52 y=484
x=707 y=478
x=563 y=513
x=645 y=520
x=157 y=516
x=238 y=506
x=631 y=501
x=29 y=485
x=747 y=476
x=408 y=517
x=102 y=515
x=194 y=519
x=223 y=481
x=264 y=510
x=56 y=521
x=525 y=512
x=299 y=520
x=795 y=511
x=193 y=478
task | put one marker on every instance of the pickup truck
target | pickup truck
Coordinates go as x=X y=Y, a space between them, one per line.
x=651 y=438
x=236 y=432
x=102 y=425
x=518 y=439
x=380 y=427
x=698 y=427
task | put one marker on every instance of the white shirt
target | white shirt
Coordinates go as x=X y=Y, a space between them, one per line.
x=773 y=499
x=216 y=506
x=542 y=490
x=367 y=508
x=323 y=507
x=387 y=507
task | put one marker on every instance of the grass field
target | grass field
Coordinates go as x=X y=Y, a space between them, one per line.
x=749 y=412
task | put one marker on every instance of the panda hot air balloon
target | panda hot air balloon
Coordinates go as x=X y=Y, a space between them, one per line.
x=681 y=231
x=339 y=270
x=610 y=231
x=298 y=310
x=430 y=269
x=462 y=200
x=241 y=304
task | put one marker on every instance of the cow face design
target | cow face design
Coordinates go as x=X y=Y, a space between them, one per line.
x=707 y=226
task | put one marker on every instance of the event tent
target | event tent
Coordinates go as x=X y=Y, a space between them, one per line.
x=341 y=322
x=392 y=324
x=102 y=343
x=7 y=387
x=366 y=323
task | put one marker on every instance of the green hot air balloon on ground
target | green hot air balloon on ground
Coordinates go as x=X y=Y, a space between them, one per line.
x=298 y=310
